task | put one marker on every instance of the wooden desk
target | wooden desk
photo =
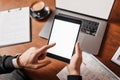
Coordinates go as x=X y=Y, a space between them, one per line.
x=110 y=44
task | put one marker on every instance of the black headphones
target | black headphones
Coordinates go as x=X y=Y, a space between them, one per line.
x=40 y=14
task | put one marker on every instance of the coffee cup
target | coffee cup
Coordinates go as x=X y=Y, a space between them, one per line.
x=39 y=10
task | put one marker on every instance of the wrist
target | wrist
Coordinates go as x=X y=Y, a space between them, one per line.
x=74 y=72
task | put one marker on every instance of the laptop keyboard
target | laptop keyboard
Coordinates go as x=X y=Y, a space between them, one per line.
x=88 y=27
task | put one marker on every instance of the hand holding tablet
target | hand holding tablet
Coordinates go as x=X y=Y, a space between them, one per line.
x=64 y=33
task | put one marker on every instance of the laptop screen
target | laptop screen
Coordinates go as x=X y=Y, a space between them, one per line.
x=95 y=8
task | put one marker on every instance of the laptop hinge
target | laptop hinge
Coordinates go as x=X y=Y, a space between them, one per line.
x=81 y=14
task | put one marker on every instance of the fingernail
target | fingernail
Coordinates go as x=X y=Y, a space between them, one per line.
x=53 y=43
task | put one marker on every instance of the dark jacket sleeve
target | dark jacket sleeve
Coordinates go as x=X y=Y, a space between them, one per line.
x=6 y=65
x=74 y=77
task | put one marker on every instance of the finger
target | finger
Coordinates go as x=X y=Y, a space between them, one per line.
x=44 y=60
x=77 y=48
x=48 y=46
x=44 y=48
x=41 y=64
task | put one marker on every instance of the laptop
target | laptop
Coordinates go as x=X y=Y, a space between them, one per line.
x=94 y=16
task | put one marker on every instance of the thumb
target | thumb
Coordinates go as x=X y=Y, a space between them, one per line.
x=77 y=49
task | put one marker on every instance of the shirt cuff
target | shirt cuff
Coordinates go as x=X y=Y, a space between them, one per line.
x=15 y=61
x=74 y=77
x=15 y=64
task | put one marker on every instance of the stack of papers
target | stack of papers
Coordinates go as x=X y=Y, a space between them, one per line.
x=91 y=69
x=14 y=26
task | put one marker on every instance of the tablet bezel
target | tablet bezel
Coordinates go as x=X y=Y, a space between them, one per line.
x=64 y=19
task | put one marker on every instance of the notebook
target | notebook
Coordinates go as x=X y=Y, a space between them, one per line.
x=14 y=26
x=94 y=16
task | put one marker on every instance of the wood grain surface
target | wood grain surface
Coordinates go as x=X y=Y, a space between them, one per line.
x=110 y=43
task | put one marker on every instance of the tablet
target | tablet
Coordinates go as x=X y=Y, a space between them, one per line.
x=64 y=33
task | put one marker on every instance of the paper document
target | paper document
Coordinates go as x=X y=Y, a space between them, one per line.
x=116 y=57
x=14 y=26
x=91 y=69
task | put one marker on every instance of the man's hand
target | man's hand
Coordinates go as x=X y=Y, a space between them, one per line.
x=76 y=60
x=34 y=58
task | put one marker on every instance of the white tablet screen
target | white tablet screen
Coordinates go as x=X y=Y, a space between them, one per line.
x=64 y=33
